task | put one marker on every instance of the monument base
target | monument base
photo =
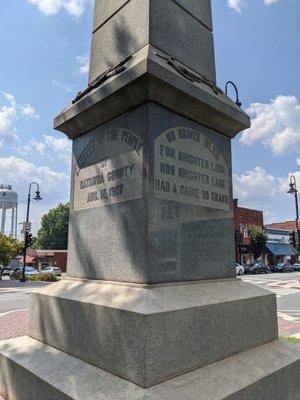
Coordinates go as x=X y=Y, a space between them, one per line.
x=151 y=333
x=31 y=370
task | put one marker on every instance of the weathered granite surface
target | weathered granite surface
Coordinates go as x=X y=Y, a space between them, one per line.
x=173 y=218
x=173 y=27
x=35 y=371
x=105 y=10
x=148 y=77
x=151 y=334
x=151 y=202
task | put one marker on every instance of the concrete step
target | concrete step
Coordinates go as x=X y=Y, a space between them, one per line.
x=31 y=370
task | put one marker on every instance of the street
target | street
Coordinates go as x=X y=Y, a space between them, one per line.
x=15 y=295
x=287 y=289
x=14 y=302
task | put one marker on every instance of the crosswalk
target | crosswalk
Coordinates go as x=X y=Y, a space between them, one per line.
x=282 y=288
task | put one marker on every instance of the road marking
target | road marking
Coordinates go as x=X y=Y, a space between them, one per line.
x=286 y=317
x=12 y=311
x=13 y=298
x=287 y=311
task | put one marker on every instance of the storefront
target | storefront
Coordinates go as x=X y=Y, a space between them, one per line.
x=280 y=252
x=278 y=247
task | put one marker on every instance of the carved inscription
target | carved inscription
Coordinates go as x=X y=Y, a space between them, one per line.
x=117 y=178
x=190 y=169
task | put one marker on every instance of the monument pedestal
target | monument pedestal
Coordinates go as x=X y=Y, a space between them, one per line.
x=151 y=309
x=150 y=334
x=31 y=370
x=95 y=340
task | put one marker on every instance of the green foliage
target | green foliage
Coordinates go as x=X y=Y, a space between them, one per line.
x=258 y=241
x=291 y=339
x=9 y=248
x=46 y=277
x=53 y=233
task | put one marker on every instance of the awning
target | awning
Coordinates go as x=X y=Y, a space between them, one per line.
x=281 y=249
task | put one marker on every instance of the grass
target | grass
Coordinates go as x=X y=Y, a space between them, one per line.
x=46 y=277
x=291 y=339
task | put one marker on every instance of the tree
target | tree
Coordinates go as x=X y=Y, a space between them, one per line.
x=9 y=248
x=258 y=241
x=53 y=233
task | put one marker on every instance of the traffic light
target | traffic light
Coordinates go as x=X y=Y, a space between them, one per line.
x=292 y=235
x=28 y=239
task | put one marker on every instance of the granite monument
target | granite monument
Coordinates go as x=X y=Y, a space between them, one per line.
x=151 y=308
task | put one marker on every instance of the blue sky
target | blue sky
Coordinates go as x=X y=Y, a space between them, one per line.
x=45 y=47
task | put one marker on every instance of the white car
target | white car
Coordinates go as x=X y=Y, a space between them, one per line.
x=52 y=270
x=239 y=269
x=16 y=273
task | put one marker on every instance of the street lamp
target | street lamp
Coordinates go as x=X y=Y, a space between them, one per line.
x=293 y=190
x=26 y=233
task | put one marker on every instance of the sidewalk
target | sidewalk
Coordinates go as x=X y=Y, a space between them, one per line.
x=14 y=324
x=288 y=328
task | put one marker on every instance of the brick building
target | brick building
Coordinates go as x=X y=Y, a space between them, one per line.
x=41 y=259
x=288 y=226
x=244 y=220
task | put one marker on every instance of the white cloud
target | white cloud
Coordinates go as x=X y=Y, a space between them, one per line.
x=270 y=217
x=61 y=146
x=39 y=147
x=276 y=125
x=270 y=2
x=252 y=185
x=29 y=111
x=298 y=161
x=84 y=63
x=261 y=190
x=10 y=98
x=19 y=173
x=8 y=114
x=54 y=186
x=52 y=7
x=236 y=5
x=64 y=86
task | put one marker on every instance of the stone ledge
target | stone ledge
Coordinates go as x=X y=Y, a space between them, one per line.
x=150 y=78
x=148 y=336
x=31 y=370
x=151 y=299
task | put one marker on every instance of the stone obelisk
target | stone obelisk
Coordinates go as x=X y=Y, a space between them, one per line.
x=151 y=308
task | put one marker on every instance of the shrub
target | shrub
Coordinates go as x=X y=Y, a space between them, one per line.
x=46 y=277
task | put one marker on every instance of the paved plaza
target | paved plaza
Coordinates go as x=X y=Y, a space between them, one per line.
x=14 y=303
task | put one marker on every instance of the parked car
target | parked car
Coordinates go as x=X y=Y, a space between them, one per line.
x=6 y=271
x=283 y=267
x=52 y=270
x=258 y=267
x=16 y=273
x=239 y=269
x=272 y=267
x=296 y=267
